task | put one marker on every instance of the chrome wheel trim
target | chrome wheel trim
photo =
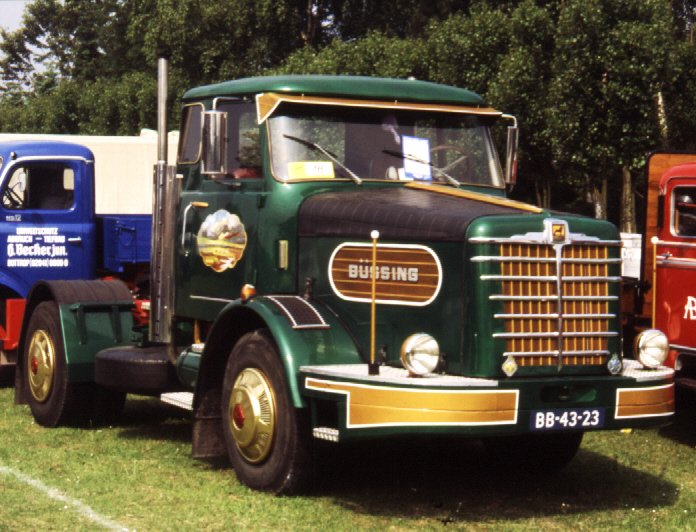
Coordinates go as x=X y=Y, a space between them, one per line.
x=252 y=415
x=41 y=365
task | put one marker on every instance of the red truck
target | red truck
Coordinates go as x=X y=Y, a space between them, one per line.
x=667 y=297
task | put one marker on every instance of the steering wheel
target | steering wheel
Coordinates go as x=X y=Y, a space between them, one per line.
x=449 y=147
x=11 y=199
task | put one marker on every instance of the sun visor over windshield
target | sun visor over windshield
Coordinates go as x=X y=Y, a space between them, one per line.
x=268 y=102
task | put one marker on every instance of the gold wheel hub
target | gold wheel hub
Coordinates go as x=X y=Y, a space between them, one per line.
x=41 y=362
x=252 y=415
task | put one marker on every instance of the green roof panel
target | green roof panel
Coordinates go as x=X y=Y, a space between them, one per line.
x=341 y=86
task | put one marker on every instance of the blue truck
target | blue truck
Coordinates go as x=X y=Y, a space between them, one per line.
x=49 y=230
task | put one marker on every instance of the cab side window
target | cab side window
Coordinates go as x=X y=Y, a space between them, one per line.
x=684 y=214
x=190 y=138
x=39 y=186
x=243 y=143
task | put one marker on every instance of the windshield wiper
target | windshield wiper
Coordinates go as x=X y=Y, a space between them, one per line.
x=330 y=155
x=451 y=180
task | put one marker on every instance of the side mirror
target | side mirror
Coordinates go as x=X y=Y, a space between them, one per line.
x=214 y=156
x=511 y=156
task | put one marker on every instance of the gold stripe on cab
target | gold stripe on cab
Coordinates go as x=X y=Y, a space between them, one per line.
x=378 y=406
x=644 y=402
x=485 y=198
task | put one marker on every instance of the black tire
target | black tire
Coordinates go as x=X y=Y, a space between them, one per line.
x=53 y=400
x=266 y=437
x=534 y=453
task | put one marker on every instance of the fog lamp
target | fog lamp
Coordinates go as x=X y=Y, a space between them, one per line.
x=651 y=347
x=509 y=366
x=420 y=354
x=614 y=365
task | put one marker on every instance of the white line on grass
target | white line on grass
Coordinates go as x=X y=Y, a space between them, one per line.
x=80 y=507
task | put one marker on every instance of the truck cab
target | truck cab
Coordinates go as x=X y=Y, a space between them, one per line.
x=335 y=259
x=47 y=222
x=47 y=225
x=673 y=302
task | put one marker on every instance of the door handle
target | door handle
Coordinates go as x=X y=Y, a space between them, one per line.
x=197 y=205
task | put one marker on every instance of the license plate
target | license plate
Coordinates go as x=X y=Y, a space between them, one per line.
x=567 y=419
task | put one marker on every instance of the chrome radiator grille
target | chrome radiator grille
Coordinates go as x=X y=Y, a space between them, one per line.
x=555 y=298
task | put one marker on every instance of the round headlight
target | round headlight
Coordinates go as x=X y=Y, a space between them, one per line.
x=420 y=354
x=651 y=347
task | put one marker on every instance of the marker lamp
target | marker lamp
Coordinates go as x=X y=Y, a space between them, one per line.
x=420 y=354
x=651 y=347
x=248 y=291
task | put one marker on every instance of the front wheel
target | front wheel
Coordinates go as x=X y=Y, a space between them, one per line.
x=264 y=436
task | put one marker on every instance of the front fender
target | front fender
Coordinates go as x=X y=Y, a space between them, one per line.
x=15 y=283
x=325 y=342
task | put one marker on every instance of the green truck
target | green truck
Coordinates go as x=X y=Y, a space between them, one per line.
x=335 y=259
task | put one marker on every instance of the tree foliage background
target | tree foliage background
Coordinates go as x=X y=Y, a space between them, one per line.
x=595 y=84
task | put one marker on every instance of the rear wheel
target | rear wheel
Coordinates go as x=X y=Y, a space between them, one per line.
x=52 y=399
x=543 y=453
x=264 y=435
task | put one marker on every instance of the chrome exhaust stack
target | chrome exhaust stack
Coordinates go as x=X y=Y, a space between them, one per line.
x=165 y=195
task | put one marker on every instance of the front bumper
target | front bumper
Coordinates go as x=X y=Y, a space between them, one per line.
x=347 y=403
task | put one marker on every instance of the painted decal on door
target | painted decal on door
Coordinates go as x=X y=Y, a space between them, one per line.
x=221 y=240
x=37 y=247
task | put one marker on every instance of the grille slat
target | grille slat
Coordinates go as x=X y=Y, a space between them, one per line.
x=553 y=278
x=551 y=353
x=556 y=334
x=555 y=300
x=554 y=316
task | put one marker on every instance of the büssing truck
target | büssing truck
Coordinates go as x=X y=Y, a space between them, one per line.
x=334 y=259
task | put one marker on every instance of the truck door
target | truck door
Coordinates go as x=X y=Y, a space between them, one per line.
x=218 y=217
x=46 y=229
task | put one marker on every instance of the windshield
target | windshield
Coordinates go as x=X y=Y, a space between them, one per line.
x=327 y=142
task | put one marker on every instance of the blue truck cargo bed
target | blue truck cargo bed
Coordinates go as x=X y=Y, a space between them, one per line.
x=126 y=240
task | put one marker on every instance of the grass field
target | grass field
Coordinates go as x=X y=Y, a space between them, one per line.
x=139 y=475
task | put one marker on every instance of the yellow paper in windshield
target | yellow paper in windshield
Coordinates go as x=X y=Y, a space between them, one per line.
x=311 y=170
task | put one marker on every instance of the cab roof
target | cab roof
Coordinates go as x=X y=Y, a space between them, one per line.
x=16 y=149
x=362 y=87
x=686 y=170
